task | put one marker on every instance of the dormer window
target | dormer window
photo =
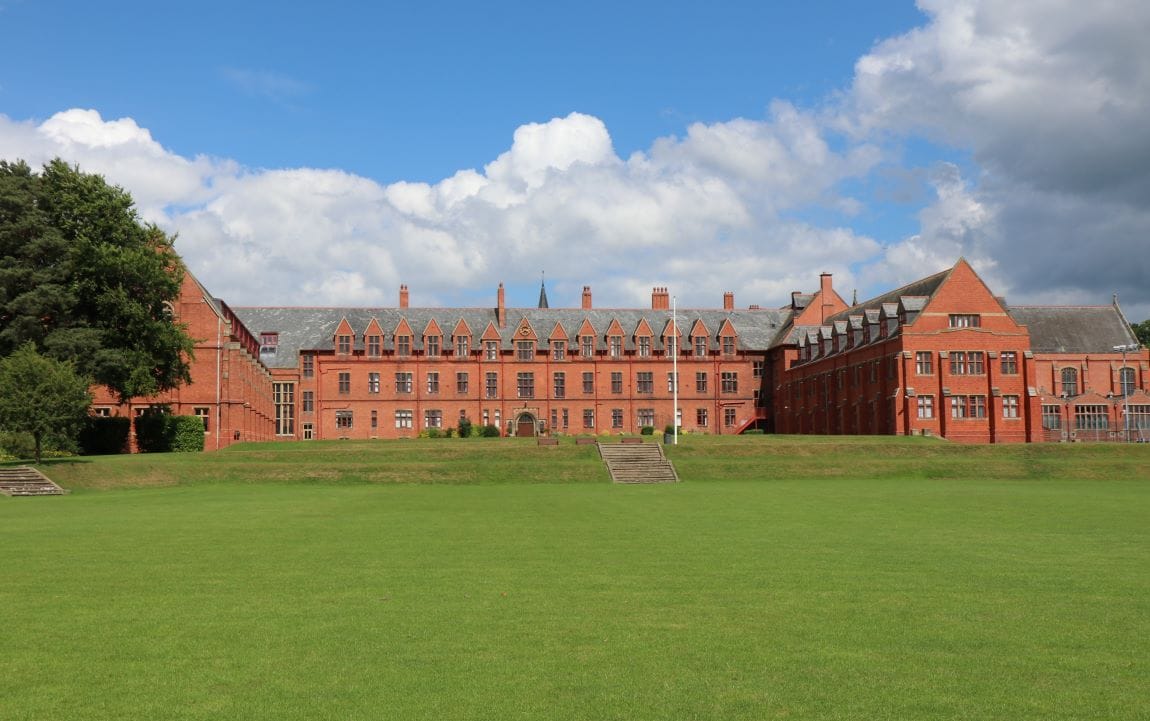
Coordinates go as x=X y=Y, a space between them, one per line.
x=343 y=344
x=491 y=350
x=559 y=350
x=644 y=347
x=728 y=345
x=462 y=346
x=672 y=345
x=374 y=346
x=615 y=345
x=700 y=346
x=587 y=345
x=403 y=345
x=525 y=350
x=432 y=343
x=269 y=342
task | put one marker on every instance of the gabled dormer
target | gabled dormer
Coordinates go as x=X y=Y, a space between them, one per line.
x=728 y=338
x=672 y=337
x=491 y=341
x=643 y=338
x=344 y=335
x=432 y=339
x=889 y=319
x=587 y=339
x=558 y=342
x=700 y=339
x=373 y=339
x=525 y=340
x=614 y=337
x=403 y=335
x=461 y=338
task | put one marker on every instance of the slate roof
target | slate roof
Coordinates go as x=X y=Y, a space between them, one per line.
x=1073 y=329
x=314 y=328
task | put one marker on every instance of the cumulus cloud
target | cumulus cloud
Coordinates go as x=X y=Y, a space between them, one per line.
x=703 y=213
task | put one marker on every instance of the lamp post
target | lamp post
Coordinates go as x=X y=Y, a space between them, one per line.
x=1121 y=381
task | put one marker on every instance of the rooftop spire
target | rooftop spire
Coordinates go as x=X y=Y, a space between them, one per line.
x=542 y=291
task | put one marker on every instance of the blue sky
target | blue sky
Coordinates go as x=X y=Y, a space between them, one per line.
x=705 y=146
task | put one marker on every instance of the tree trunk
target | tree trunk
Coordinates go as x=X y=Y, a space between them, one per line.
x=36 y=437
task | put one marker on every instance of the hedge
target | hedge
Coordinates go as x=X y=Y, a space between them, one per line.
x=103 y=435
x=160 y=433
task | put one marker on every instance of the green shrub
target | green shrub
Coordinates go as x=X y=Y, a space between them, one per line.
x=448 y=432
x=647 y=431
x=433 y=433
x=464 y=427
x=105 y=436
x=491 y=432
x=186 y=432
x=18 y=444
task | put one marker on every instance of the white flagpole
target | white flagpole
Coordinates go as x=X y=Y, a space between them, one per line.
x=675 y=367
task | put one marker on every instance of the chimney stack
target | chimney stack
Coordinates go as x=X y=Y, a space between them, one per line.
x=586 y=297
x=403 y=296
x=501 y=308
x=825 y=292
x=728 y=301
x=660 y=298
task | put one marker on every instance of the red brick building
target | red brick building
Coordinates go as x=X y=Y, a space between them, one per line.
x=941 y=356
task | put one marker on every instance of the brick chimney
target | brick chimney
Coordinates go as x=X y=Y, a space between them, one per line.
x=586 y=297
x=660 y=298
x=501 y=308
x=825 y=292
x=403 y=296
x=728 y=301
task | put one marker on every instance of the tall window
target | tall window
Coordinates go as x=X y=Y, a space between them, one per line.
x=757 y=369
x=343 y=344
x=587 y=345
x=373 y=383
x=433 y=419
x=616 y=417
x=730 y=382
x=403 y=383
x=700 y=382
x=974 y=363
x=403 y=345
x=672 y=344
x=1069 y=381
x=701 y=417
x=729 y=417
x=958 y=363
x=965 y=320
x=728 y=345
x=700 y=346
x=616 y=382
x=491 y=385
x=924 y=363
x=1126 y=381
x=433 y=344
x=373 y=346
x=644 y=382
x=588 y=418
x=461 y=383
x=308 y=401
x=1008 y=362
x=374 y=420
x=1051 y=417
x=344 y=383
x=204 y=414
x=433 y=382
x=615 y=345
x=308 y=361
x=560 y=385
x=462 y=346
x=1010 y=406
x=672 y=382
x=404 y=419
x=308 y=433
x=491 y=350
x=588 y=382
x=644 y=347
x=525 y=350
x=525 y=385
x=559 y=350
x=343 y=419
x=646 y=417
x=925 y=406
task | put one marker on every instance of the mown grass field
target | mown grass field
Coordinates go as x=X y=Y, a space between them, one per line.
x=810 y=578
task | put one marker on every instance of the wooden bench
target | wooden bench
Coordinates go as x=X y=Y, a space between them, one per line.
x=631 y=439
x=585 y=441
x=548 y=441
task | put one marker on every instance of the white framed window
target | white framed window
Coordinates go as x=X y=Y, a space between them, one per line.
x=404 y=418
x=1010 y=406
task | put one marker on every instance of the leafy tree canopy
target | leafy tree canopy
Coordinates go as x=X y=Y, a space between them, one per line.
x=84 y=280
x=1142 y=330
x=41 y=396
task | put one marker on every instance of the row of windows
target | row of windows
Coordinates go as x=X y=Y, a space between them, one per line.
x=966 y=363
x=433 y=418
x=525 y=383
x=1090 y=416
x=961 y=407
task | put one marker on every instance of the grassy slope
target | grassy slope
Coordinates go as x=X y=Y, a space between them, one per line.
x=812 y=578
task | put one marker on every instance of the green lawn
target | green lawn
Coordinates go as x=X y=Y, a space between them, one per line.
x=784 y=578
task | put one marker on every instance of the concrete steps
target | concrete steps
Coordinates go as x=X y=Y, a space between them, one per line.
x=26 y=481
x=637 y=463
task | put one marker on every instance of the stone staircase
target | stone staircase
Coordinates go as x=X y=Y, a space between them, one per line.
x=27 y=481
x=637 y=463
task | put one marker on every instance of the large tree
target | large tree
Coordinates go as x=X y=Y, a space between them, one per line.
x=41 y=396
x=1142 y=330
x=86 y=281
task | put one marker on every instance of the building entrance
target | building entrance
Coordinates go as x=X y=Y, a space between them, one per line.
x=525 y=425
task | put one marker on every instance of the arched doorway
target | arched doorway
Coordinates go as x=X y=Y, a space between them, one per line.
x=525 y=425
